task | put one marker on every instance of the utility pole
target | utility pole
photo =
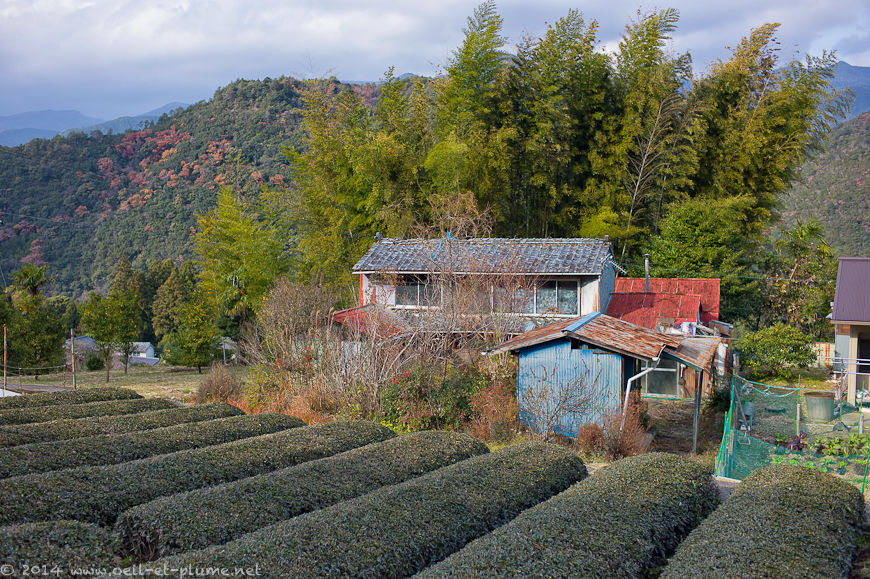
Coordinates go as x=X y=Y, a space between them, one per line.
x=4 y=359
x=72 y=355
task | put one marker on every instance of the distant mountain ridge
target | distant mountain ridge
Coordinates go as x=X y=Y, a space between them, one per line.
x=856 y=78
x=126 y=123
x=20 y=128
x=78 y=202
x=834 y=187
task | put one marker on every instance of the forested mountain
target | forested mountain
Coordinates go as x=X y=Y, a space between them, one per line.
x=78 y=202
x=834 y=187
x=556 y=140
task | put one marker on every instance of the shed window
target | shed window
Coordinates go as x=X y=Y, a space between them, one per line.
x=663 y=381
x=408 y=294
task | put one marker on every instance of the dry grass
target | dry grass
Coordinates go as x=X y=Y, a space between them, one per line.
x=150 y=381
x=672 y=420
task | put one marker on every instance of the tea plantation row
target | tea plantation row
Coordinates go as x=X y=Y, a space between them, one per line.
x=206 y=487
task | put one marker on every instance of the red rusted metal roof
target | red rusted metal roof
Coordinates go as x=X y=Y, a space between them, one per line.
x=650 y=309
x=372 y=320
x=706 y=288
x=599 y=330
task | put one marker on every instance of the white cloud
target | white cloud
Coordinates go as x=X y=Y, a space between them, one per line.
x=109 y=57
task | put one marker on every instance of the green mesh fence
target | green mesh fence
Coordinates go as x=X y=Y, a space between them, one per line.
x=762 y=427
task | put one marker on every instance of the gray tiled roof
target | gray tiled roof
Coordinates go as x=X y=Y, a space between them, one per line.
x=485 y=255
x=852 y=300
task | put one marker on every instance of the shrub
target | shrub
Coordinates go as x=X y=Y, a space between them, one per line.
x=66 y=411
x=494 y=410
x=57 y=545
x=96 y=425
x=622 y=437
x=774 y=350
x=590 y=439
x=215 y=515
x=219 y=384
x=67 y=397
x=94 y=362
x=781 y=521
x=621 y=522
x=98 y=494
x=432 y=396
x=117 y=448
x=398 y=530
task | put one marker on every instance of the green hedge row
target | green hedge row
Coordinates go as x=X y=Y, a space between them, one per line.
x=67 y=397
x=96 y=425
x=398 y=530
x=216 y=515
x=103 y=408
x=117 y=448
x=781 y=521
x=621 y=522
x=57 y=545
x=98 y=494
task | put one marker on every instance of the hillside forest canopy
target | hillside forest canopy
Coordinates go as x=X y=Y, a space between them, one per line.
x=288 y=179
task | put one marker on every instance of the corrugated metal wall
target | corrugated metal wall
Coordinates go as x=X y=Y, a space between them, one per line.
x=547 y=370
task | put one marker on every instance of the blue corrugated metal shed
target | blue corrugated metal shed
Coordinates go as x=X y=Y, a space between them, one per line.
x=596 y=354
x=547 y=370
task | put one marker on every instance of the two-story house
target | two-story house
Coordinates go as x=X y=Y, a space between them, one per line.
x=534 y=279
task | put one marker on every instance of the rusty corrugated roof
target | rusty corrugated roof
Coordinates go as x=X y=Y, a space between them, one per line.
x=706 y=288
x=697 y=352
x=487 y=255
x=647 y=309
x=600 y=330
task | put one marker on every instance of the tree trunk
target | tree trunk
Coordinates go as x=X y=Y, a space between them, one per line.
x=126 y=363
x=108 y=368
x=199 y=369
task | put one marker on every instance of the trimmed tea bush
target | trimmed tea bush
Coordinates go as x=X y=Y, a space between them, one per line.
x=219 y=514
x=398 y=530
x=117 y=448
x=67 y=397
x=59 y=545
x=621 y=522
x=66 y=411
x=98 y=494
x=781 y=521
x=96 y=425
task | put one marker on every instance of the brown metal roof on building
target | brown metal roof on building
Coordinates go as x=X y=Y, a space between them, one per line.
x=697 y=352
x=487 y=255
x=852 y=299
x=599 y=330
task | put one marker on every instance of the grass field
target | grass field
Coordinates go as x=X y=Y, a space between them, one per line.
x=173 y=382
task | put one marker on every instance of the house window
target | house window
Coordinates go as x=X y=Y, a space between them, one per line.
x=513 y=301
x=557 y=298
x=408 y=294
x=416 y=292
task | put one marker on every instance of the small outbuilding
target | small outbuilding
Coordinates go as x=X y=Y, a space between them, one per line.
x=606 y=358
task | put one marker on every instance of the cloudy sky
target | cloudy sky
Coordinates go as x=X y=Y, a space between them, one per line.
x=108 y=58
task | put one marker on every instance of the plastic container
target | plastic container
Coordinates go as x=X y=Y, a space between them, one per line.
x=819 y=406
